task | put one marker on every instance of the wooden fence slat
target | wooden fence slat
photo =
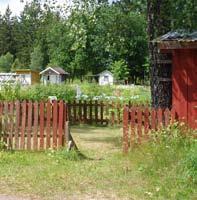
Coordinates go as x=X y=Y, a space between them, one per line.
x=17 y=124
x=132 y=124
x=74 y=111
x=153 y=119
x=11 y=124
x=35 y=129
x=29 y=125
x=85 y=111
x=96 y=111
x=125 y=130
x=23 y=125
x=42 y=117
x=48 y=125
x=146 y=121
x=166 y=117
x=101 y=113
x=139 y=124
x=55 y=110
x=91 y=119
x=60 y=124
x=160 y=118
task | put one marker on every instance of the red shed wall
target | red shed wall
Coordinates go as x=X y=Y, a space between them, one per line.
x=184 y=85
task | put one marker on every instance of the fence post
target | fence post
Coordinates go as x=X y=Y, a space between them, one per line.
x=125 y=130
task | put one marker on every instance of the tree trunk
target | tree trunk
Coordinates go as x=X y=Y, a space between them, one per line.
x=160 y=73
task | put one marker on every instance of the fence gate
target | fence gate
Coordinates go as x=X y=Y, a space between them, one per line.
x=32 y=125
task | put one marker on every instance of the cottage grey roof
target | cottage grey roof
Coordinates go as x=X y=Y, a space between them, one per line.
x=103 y=72
x=179 y=35
x=180 y=39
x=57 y=70
x=60 y=70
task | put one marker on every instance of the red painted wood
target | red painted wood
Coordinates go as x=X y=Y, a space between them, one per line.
x=181 y=61
x=42 y=116
x=146 y=120
x=132 y=125
x=192 y=89
x=55 y=109
x=23 y=125
x=153 y=119
x=35 y=130
x=125 y=130
x=5 y=122
x=139 y=124
x=48 y=125
x=166 y=117
x=160 y=117
x=29 y=125
x=17 y=124
x=11 y=119
x=60 y=124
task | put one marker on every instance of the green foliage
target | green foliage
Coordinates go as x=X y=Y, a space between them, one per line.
x=37 y=59
x=172 y=156
x=16 y=65
x=120 y=70
x=6 y=62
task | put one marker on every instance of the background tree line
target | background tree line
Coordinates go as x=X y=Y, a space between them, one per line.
x=89 y=35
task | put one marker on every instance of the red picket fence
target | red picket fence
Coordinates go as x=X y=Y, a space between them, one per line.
x=32 y=125
x=139 y=121
x=95 y=112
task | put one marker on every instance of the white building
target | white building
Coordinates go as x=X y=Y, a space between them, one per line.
x=53 y=75
x=106 y=78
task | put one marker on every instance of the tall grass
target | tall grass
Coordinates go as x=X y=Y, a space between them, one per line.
x=171 y=164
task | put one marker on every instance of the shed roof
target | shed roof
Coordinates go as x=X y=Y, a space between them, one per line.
x=57 y=70
x=177 y=40
x=105 y=71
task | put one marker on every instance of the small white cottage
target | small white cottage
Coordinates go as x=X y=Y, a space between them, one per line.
x=53 y=75
x=106 y=78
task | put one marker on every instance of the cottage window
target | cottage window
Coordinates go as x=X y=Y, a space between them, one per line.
x=106 y=78
x=48 y=78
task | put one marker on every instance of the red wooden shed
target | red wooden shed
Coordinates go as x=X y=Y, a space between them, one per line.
x=184 y=73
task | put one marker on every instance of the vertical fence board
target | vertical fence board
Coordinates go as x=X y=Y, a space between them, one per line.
x=23 y=125
x=48 y=125
x=35 y=129
x=55 y=110
x=132 y=124
x=139 y=124
x=11 y=124
x=146 y=121
x=85 y=112
x=17 y=124
x=42 y=117
x=96 y=111
x=160 y=118
x=91 y=120
x=125 y=130
x=60 y=124
x=29 y=125
x=166 y=117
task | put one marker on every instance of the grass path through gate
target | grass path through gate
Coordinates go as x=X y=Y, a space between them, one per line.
x=97 y=142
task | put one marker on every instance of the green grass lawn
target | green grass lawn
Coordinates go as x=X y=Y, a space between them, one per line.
x=148 y=172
